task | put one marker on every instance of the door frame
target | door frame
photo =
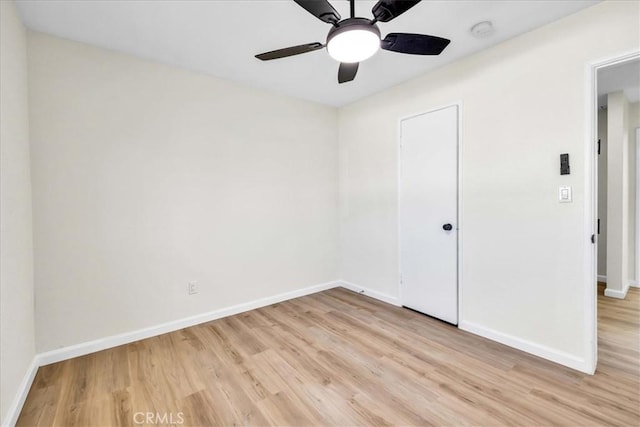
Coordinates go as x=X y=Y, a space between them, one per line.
x=591 y=198
x=459 y=219
x=636 y=279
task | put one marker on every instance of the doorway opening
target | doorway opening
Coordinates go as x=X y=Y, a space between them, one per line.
x=618 y=117
x=615 y=118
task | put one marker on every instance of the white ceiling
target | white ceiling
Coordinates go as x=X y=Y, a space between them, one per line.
x=221 y=37
x=623 y=77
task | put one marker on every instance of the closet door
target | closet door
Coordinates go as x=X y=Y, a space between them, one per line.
x=429 y=213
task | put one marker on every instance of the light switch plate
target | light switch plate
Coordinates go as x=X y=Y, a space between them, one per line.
x=564 y=194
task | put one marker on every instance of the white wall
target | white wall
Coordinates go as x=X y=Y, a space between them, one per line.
x=618 y=178
x=17 y=347
x=523 y=253
x=147 y=177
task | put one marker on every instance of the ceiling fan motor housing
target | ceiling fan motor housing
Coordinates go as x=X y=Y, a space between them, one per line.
x=350 y=24
x=353 y=40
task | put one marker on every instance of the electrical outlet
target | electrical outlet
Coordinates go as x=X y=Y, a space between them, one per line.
x=193 y=288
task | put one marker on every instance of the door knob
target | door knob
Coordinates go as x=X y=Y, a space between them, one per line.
x=447 y=227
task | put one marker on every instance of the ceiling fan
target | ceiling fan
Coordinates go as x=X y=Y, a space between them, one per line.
x=353 y=40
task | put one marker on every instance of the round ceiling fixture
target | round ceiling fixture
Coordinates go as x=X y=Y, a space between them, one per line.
x=482 y=29
x=353 y=40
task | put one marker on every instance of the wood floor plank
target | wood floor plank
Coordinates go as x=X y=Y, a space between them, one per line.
x=341 y=358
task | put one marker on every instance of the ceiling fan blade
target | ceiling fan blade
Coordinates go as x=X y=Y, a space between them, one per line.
x=321 y=9
x=290 y=51
x=386 y=10
x=414 y=44
x=347 y=72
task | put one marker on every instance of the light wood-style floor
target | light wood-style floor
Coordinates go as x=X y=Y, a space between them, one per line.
x=342 y=359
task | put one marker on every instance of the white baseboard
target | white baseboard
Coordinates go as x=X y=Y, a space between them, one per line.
x=129 y=337
x=536 y=349
x=614 y=293
x=556 y=356
x=81 y=349
x=370 y=292
x=632 y=283
x=23 y=390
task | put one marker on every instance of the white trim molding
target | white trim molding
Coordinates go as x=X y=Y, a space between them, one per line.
x=82 y=349
x=23 y=390
x=140 y=334
x=370 y=293
x=632 y=283
x=88 y=347
x=536 y=349
x=614 y=293
x=637 y=216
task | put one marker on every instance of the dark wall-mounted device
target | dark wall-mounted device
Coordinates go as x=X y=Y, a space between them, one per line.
x=564 y=164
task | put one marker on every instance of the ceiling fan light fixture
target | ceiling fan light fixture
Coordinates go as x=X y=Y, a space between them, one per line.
x=354 y=40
